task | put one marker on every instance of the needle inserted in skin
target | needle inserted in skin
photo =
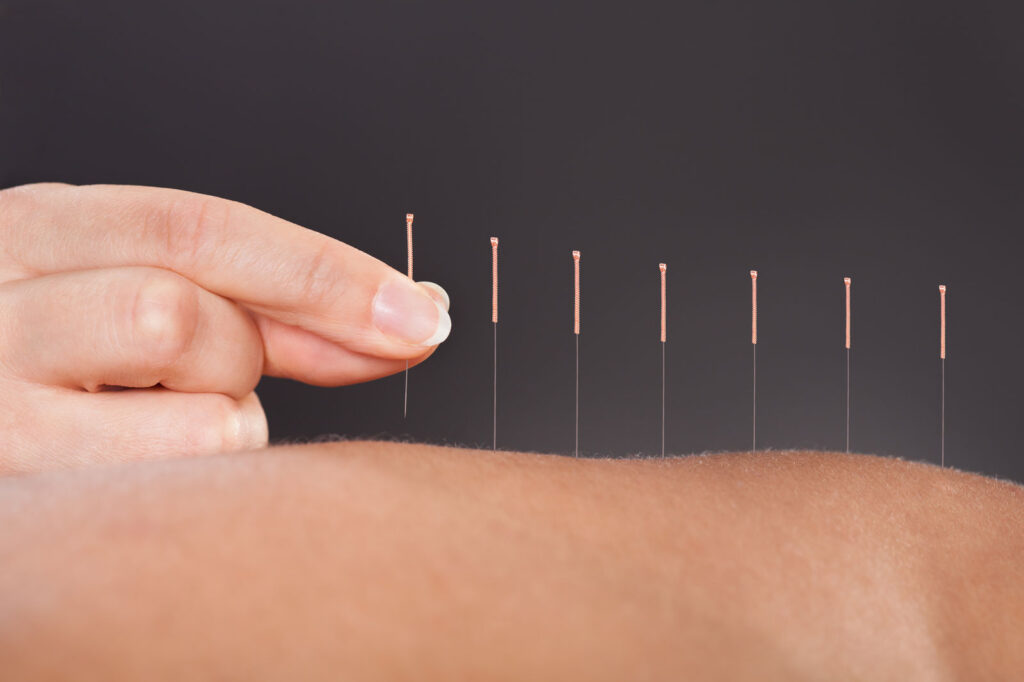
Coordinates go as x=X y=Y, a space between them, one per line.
x=576 y=331
x=662 y=267
x=846 y=281
x=753 y=342
x=408 y=244
x=494 y=322
x=942 y=360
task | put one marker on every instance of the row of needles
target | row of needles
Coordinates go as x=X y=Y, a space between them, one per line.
x=663 y=268
x=847 y=284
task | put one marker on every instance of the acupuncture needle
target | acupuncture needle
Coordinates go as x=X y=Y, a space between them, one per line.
x=494 y=323
x=576 y=332
x=408 y=246
x=662 y=267
x=753 y=342
x=847 y=282
x=942 y=361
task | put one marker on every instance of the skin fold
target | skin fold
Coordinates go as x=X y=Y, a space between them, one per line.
x=367 y=560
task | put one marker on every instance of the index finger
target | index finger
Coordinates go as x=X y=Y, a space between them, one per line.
x=289 y=273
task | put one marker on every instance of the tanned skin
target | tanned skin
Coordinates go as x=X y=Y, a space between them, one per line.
x=367 y=561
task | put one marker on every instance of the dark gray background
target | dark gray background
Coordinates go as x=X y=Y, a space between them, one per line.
x=809 y=140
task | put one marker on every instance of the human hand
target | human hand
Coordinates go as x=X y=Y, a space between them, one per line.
x=183 y=300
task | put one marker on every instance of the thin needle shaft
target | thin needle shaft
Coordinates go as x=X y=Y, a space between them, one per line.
x=847 y=399
x=576 y=446
x=753 y=342
x=494 y=422
x=942 y=361
x=846 y=282
x=753 y=427
x=408 y=245
x=494 y=322
x=576 y=331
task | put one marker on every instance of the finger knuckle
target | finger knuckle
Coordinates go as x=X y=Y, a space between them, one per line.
x=164 y=318
x=190 y=226
x=320 y=276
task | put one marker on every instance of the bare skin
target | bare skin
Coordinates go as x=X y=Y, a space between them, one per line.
x=388 y=561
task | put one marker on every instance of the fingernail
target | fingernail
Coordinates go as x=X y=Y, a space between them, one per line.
x=406 y=312
x=439 y=292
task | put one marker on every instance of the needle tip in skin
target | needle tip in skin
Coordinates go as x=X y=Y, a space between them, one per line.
x=662 y=267
x=576 y=331
x=494 y=320
x=942 y=357
x=753 y=342
x=847 y=281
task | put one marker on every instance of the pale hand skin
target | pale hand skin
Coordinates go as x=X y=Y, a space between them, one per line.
x=376 y=561
x=186 y=300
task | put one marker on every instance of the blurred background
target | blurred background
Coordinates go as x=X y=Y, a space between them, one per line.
x=809 y=140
